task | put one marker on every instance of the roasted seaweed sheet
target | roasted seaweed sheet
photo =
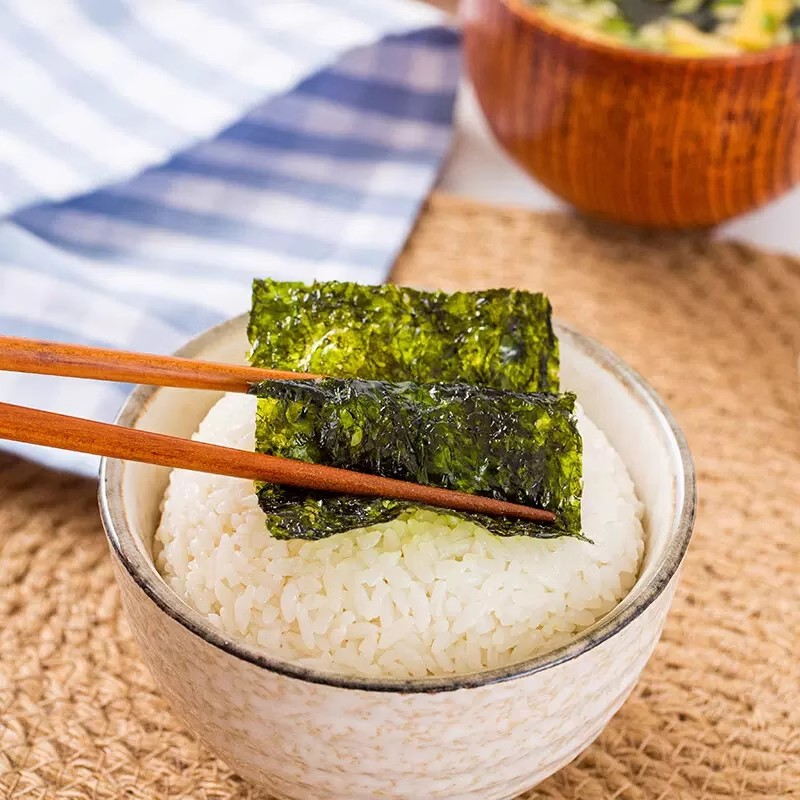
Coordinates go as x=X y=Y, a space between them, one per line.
x=502 y=338
x=521 y=447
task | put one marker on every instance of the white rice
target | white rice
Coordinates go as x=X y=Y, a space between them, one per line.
x=425 y=595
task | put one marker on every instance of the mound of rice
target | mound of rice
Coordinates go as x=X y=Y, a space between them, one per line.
x=425 y=595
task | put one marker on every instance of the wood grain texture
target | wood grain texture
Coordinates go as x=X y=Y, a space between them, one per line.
x=635 y=137
x=18 y=354
x=44 y=428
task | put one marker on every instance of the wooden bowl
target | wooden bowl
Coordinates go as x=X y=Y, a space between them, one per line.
x=636 y=137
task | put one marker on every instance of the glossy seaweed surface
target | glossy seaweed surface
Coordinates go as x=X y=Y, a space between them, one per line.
x=501 y=338
x=517 y=446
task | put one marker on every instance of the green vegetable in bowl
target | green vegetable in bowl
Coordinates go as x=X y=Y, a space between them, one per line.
x=516 y=446
x=681 y=27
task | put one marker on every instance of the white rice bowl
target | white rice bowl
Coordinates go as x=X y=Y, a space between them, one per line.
x=428 y=594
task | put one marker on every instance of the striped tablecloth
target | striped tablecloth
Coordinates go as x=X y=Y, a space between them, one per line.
x=157 y=155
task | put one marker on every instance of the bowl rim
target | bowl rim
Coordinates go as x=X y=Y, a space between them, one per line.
x=529 y=14
x=143 y=572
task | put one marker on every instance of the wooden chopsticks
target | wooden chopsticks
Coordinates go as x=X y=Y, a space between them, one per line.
x=85 y=436
x=70 y=433
x=103 y=364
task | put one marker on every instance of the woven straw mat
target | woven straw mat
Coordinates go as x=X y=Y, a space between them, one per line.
x=714 y=326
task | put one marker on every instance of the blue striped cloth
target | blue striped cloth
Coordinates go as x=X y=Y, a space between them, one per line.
x=156 y=156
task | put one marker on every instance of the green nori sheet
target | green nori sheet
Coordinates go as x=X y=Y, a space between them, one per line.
x=521 y=447
x=501 y=338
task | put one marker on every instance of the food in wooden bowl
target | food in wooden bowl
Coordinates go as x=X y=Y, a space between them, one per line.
x=430 y=655
x=642 y=126
x=680 y=27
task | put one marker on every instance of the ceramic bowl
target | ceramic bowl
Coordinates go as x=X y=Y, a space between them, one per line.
x=631 y=136
x=309 y=735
